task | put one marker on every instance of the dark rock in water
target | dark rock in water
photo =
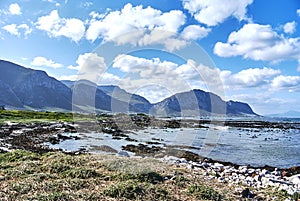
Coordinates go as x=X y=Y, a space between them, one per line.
x=141 y=149
x=104 y=148
x=63 y=137
x=173 y=124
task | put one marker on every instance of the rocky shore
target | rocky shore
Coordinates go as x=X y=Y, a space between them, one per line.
x=247 y=177
x=249 y=182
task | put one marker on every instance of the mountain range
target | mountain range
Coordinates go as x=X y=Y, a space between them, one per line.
x=25 y=88
x=288 y=114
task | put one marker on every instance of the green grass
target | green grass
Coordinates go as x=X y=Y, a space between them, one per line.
x=204 y=192
x=27 y=116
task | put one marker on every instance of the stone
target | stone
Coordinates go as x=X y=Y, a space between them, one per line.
x=221 y=180
x=295 y=179
x=123 y=154
x=265 y=172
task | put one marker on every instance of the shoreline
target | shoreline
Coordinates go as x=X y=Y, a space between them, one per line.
x=31 y=136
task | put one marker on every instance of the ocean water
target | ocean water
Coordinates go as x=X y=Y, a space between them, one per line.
x=244 y=146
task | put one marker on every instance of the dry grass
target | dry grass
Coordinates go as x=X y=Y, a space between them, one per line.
x=57 y=176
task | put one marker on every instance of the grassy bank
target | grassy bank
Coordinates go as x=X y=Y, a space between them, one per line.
x=27 y=116
x=57 y=176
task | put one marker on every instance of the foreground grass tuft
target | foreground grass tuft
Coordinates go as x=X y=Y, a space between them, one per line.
x=126 y=189
x=204 y=192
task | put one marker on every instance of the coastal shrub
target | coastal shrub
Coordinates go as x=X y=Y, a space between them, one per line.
x=58 y=168
x=204 y=192
x=18 y=155
x=53 y=196
x=181 y=181
x=80 y=173
x=22 y=188
x=149 y=177
x=128 y=189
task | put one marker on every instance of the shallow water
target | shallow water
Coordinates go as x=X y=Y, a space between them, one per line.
x=256 y=147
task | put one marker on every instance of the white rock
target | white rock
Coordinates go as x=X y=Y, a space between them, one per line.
x=257 y=178
x=190 y=166
x=183 y=160
x=295 y=179
x=251 y=171
x=265 y=172
x=243 y=170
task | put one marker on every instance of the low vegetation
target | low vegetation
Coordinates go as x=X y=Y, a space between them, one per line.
x=33 y=116
x=57 y=176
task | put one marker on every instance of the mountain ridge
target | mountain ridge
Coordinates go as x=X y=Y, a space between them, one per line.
x=27 y=88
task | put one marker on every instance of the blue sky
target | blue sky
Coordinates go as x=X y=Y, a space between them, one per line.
x=245 y=50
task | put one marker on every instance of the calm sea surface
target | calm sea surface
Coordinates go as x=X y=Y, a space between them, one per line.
x=253 y=146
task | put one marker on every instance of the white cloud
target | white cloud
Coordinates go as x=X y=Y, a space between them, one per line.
x=86 y=4
x=55 y=26
x=89 y=61
x=194 y=32
x=213 y=12
x=104 y=79
x=42 y=61
x=18 y=29
x=14 y=9
x=90 y=66
x=252 y=77
x=138 y=23
x=146 y=67
x=68 y=77
x=290 y=27
x=259 y=42
x=108 y=79
x=298 y=12
x=292 y=83
x=12 y=29
x=146 y=75
x=96 y=15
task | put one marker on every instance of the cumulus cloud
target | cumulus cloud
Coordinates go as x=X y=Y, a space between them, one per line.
x=89 y=61
x=17 y=30
x=135 y=25
x=14 y=9
x=56 y=26
x=194 y=32
x=259 y=42
x=146 y=67
x=105 y=79
x=298 y=12
x=91 y=66
x=290 y=27
x=213 y=12
x=42 y=61
x=252 y=77
x=12 y=29
x=146 y=75
x=292 y=83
